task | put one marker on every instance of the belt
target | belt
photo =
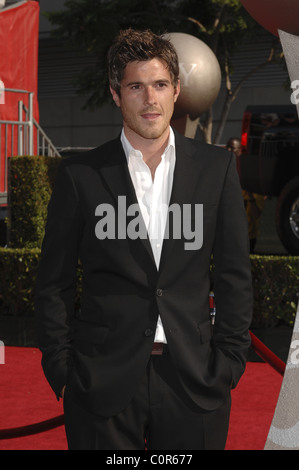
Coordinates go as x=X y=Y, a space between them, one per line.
x=159 y=349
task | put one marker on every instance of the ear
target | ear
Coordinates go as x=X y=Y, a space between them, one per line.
x=115 y=96
x=177 y=90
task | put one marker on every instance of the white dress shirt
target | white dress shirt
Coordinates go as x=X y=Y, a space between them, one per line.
x=153 y=198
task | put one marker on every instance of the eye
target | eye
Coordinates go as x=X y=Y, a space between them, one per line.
x=161 y=85
x=136 y=87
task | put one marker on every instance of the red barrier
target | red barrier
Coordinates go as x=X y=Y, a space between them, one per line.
x=19 y=29
x=267 y=355
x=32 y=428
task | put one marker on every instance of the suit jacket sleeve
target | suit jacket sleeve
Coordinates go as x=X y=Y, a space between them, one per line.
x=232 y=279
x=56 y=281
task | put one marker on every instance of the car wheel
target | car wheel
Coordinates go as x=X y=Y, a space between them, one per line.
x=287 y=216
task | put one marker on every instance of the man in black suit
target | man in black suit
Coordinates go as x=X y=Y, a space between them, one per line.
x=145 y=213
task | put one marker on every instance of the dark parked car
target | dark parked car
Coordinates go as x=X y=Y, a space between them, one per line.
x=269 y=164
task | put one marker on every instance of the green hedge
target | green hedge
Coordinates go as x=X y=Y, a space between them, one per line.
x=30 y=186
x=275 y=285
x=18 y=272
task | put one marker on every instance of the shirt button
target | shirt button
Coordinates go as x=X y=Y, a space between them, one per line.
x=148 y=332
x=159 y=292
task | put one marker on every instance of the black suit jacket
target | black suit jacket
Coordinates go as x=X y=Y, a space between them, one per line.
x=101 y=352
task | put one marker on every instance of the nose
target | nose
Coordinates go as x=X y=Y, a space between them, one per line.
x=150 y=96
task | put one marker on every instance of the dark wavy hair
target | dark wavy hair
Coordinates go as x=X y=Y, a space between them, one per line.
x=131 y=45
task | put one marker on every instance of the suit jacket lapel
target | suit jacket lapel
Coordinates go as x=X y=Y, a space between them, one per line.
x=117 y=177
x=186 y=175
x=116 y=174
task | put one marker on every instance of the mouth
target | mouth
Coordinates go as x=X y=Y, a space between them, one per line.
x=150 y=116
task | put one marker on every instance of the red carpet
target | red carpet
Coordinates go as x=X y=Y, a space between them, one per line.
x=253 y=405
x=26 y=399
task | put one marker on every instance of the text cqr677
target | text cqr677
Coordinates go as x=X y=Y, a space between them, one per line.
x=2 y=353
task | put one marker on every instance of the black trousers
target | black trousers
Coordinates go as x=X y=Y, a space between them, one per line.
x=160 y=417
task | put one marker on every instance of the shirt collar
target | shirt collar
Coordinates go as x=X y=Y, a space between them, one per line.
x=130 y=151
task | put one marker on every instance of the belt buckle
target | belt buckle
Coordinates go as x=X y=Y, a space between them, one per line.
x=157 y=349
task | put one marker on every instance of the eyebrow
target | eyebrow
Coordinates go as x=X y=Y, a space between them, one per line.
x=162 y=80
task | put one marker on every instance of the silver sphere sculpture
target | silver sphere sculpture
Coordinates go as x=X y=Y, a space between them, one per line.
x=200 y=76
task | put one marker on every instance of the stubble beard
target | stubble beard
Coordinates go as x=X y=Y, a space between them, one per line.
x=148 y=130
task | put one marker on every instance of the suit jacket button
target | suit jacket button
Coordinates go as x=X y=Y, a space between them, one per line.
x=159 y=292
x=148 y=332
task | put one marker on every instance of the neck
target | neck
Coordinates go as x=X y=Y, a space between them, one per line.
x=151 y=149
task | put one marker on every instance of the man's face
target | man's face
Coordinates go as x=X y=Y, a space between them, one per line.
x=146 y=99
